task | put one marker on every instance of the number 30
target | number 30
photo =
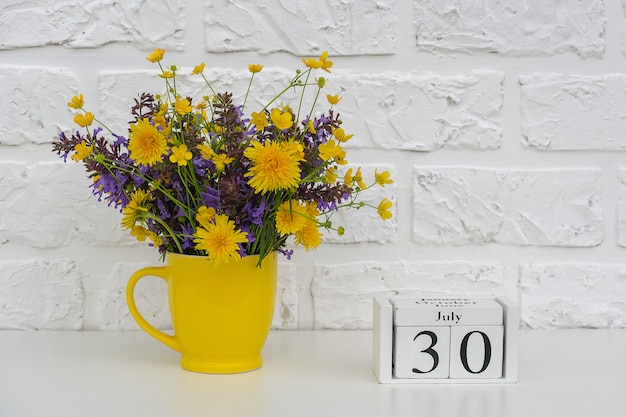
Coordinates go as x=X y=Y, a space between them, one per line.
x=463 y=351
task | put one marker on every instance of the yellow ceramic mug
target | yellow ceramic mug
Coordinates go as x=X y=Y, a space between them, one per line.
x=221 y=313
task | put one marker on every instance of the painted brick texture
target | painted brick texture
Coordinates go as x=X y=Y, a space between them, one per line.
x=503 y=126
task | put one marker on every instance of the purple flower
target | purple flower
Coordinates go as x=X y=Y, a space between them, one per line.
x=210 y=196
x=255 y=214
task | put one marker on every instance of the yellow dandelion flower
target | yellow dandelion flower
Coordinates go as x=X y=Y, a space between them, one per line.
x=156 y=56
x=383 y=209
x=182 y=106
x=254 y=68
x=84 y=120
x=290 y=217
x=180 y=155
x=340 y=134
x=259 y=120
x=309 y=236
x=282 y=120
x=77 y=102
x=383 y=178
x=220 y=239
x=333 y=99
x=274 y=167
x=146 y=143
x=198 y=69
x=136 y=209
x=82 y=151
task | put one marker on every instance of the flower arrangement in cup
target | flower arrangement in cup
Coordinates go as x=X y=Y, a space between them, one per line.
x=202 y=178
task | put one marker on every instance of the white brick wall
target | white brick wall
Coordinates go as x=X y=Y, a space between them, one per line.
x=503 y=124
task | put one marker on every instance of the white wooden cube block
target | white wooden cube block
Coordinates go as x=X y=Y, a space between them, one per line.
x=422 y=352
x=476 y=351
x=385 y=346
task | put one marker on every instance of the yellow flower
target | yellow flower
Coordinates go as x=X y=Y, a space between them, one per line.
x=159 y=120
x=77 y=102
x=358 y=178
x=146 y=143
x=156 y=56
x=330 y=176
x=156 y=239
x=162 y=109
x=220 y=239
x=83 y=120
x=274 y=166
x=259 y=119
x=310 y=127
x=198 y=69
x=382 y=178
x=182 y=106
x=333 y=99
x=324 y=62
x=290 y=217
x=180 y=155
x=82 y=151
x=340 y=134
x=205 y=215
x=167 y=74
x=254 y=68
x=221 y=160
x=159 y=117
x=311 y=63
x=309 y=236
x=140 y=232
x=282 y=120
x=383 y=209
x=331 y=150
x=347 y=179
x=206 y=151
x=296 y=149
x=136 y=209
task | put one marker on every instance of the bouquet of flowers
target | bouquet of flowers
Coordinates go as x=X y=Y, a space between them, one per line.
x=202 y=178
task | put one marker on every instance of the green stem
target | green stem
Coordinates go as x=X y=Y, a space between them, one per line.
x=168 y=229
x=243 y=106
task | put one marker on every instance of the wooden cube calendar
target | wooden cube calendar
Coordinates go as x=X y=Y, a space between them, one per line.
x=445 y=340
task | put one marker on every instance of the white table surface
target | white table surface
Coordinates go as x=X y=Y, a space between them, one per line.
x=322 y=373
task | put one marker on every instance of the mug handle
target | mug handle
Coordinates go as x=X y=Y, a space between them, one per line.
x=155 y=271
